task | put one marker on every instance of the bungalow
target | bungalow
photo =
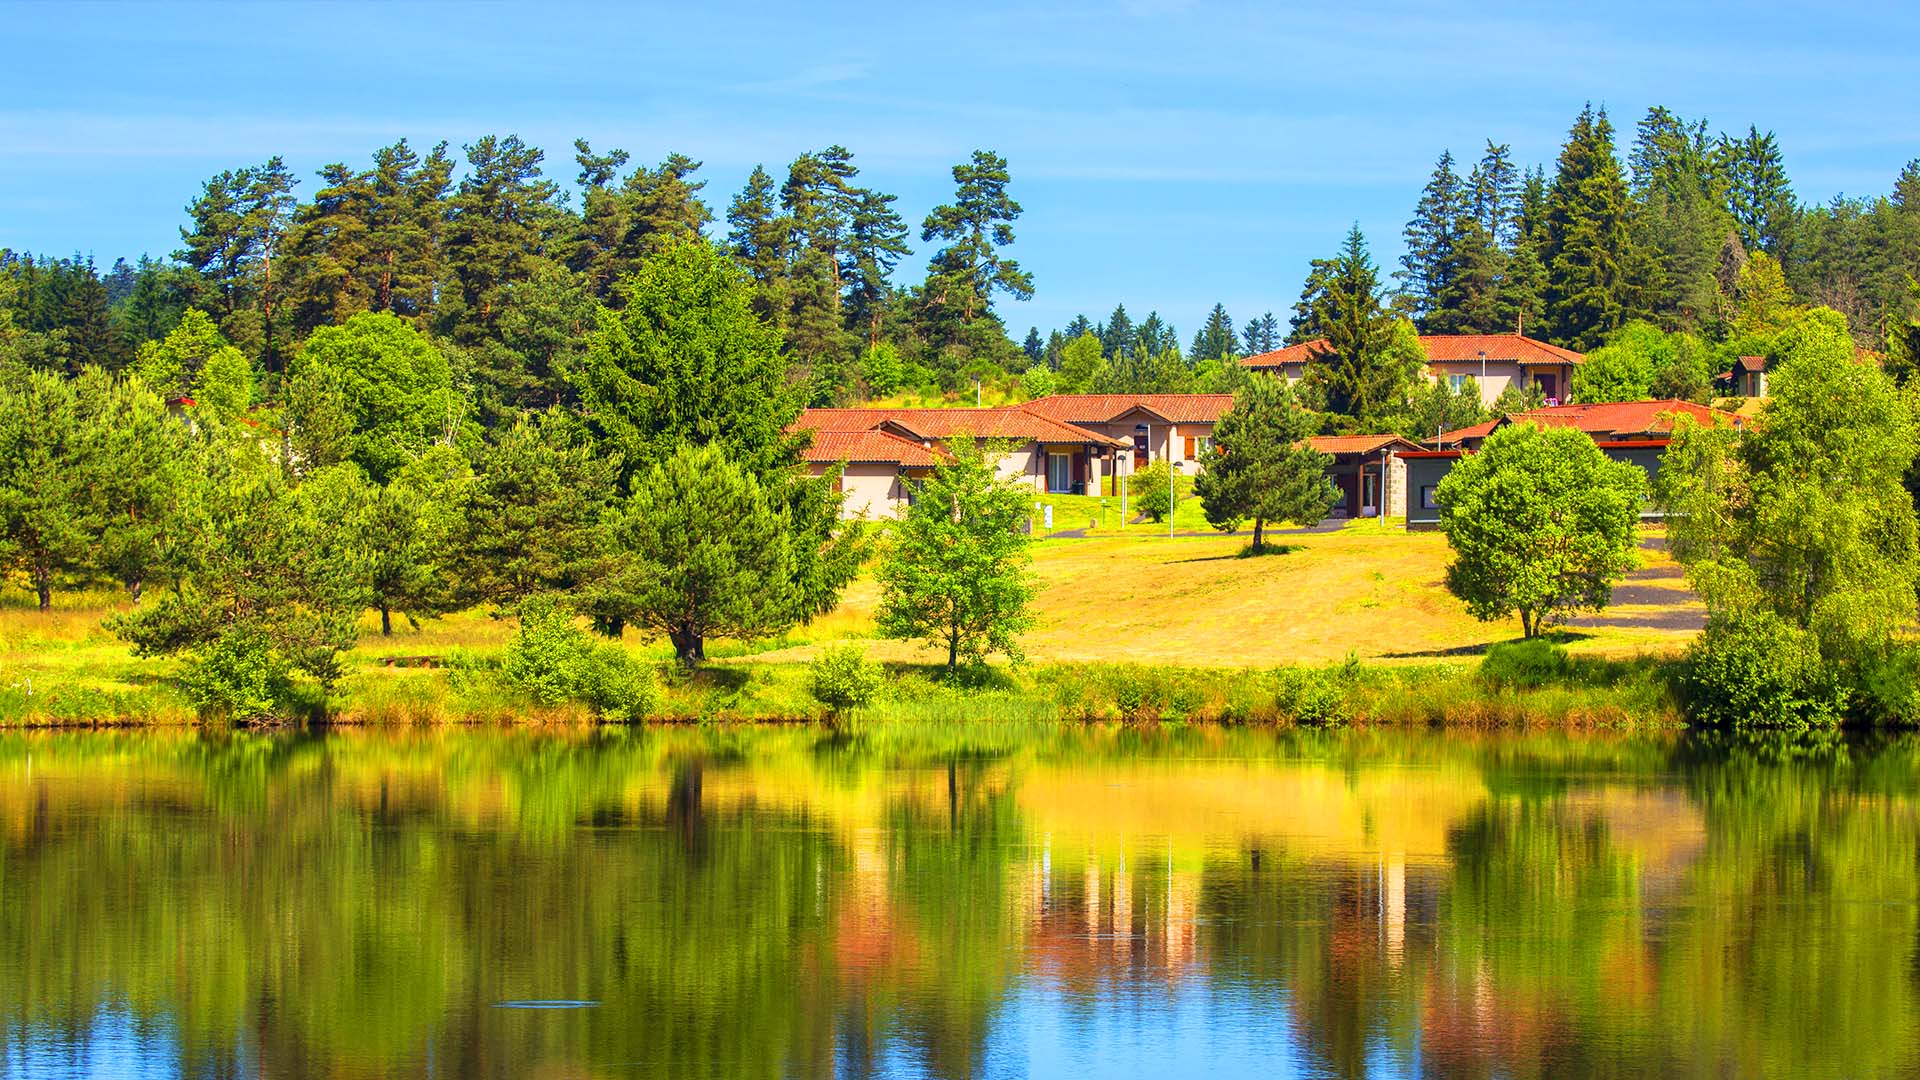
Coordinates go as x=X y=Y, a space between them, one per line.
x=1153 y=426
x=1369 y=473
x=1632 y=431
x=1494 y=361
x=880 y=472
x=1050 y=455
x=1748 y=377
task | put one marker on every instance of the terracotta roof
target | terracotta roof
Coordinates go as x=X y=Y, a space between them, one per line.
x=1443 y=349
x=882 y=447
x=1010 y=422
x=1101 y=408
x=1477 y=431
x=1290 y=354
x=1607 y=419
x=1359 y=444
x=1751 y=363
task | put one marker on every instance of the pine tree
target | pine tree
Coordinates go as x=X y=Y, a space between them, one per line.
x=816 y=200
x=876 y=242
x=757 y=238
x=1214 y=340
x=1587 y=247
x=1758 y=195
x=498 y=224
x=405 y=229
x=975 y=227
x=1428 y=267
x=1361 y=371
x=1035 y=349
x=1493 y=190
x=1261 y=335
x=1116 y=334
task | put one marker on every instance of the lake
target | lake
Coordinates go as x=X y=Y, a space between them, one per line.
x=994 y=901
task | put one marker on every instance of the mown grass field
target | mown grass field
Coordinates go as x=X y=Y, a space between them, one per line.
x=1135 y=598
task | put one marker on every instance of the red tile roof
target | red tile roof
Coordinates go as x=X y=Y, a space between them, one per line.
x=1750 y=363
x=881 y=447
x=1443 y=349
x=1609 y=420
x=1102 y=408
x=1359 y=444
x=1010 y=422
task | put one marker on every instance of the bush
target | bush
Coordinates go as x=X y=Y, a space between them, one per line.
x=547 y=656
x=1147 y=491
x=553 y=661
x=1890 y=682
x=239 y=676
x=1755 y=670
x=842 y=678
x=1311 y=695
x=1526 y=665
x=616 y=686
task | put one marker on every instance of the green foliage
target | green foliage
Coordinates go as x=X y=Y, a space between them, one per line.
x=239 y=677
x=1528 y=664
x=174 y=366
x=1150 y=490
x=1541 y=524
x=1082 y=365
x=1639 y=361
x=1594 y=270
x=685 y=361
x=956 y=573
x=842 y=678
x=1437 y=407
x=703 y=549
x=1037 y=382
x=1372 y=357
x=1265 y=470
x=1753 y=669
x=551 y=660
x=530 y=520
x=1312 y=696
x=392 y=385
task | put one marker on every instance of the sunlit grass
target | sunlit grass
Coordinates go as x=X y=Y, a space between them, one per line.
x=1115 y=605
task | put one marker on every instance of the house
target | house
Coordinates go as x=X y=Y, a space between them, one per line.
x=1494 y=361
x=1048 y=454
x=1369 y=473
x=1637 y=432
x=880 y=471
x=1748 y=377
x=1154 y=426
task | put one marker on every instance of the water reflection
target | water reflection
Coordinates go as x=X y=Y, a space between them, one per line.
x=953 y=903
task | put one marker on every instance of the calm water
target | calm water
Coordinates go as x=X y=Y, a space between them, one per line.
x=1028 y=902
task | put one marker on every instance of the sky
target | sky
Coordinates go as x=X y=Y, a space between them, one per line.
x=1168 y=154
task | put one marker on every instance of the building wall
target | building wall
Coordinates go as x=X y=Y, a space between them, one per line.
x=869 y=489
x=1421 y=474
x=1500 y=374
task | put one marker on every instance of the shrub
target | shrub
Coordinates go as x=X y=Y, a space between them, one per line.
x=1526 y=665
x=1147 y=489
x=1310 y=695
x=239 y=676
x=547 y=656
x=616 y=686
x=1753 y=669
x=842 y=678
x=552 y=660
x=1890 y=682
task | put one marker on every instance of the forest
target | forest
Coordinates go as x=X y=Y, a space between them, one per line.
x=1692 y=247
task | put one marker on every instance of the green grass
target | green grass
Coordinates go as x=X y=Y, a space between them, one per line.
x=1131 y=624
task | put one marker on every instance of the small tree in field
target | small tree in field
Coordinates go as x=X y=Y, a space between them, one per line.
x=1541 y=523
x=956 y=574
x=1265 y=470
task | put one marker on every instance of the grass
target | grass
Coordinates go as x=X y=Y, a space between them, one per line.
x=1129 y=625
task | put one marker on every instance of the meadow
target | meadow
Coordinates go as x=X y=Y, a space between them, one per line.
x=1132 y=624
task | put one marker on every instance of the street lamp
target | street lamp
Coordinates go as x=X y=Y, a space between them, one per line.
x=1172 y=467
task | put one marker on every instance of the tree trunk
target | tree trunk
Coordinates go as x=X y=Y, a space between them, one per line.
x=688 y=645
x=1259 y=525
x=43 y=585
x=953 y=652
x=136 y=588
x=1526 y=624
x=386 y=621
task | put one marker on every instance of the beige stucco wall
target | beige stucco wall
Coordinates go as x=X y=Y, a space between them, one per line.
x=869 y=489
x=1499 y=375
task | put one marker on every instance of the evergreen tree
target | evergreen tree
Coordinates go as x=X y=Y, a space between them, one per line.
x=1261 y=335
x=1265 y=470
x=1035 y=349
x=974 y=229
x=1116 y=334
x=498 y=223
x=1215 y=339
x=1493 y=191
x=1429 y=266
x=1370 y=357
x=1758 y=195
x=757 y=239
x=531 y=521
x=90 y=338
x=1587 y=247
x=621 y=225
x=876 y=242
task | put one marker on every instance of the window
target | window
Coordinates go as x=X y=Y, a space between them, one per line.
x=1456 y=383
x=1428 y=499
x=1059 y=473
x=1202 y=446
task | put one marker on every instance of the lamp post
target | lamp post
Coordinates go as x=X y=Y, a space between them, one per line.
x=1483 y=376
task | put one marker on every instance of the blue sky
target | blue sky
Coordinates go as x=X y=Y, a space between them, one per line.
x=1168 y=154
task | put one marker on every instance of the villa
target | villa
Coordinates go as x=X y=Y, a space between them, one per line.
x=1493 y=361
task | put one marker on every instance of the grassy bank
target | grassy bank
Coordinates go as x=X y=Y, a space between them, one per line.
x=1131 y=626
